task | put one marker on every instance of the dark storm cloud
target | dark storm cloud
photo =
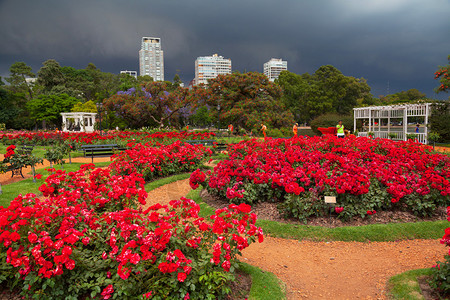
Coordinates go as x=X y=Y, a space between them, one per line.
x=395 y=42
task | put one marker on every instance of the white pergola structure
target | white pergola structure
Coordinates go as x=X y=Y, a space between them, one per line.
x=78 y=121
x=391 y=121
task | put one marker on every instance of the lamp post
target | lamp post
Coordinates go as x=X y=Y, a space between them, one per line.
x=99 y=108
x=218 y=117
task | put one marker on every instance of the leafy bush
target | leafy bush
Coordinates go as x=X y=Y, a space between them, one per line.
x=439 y=121
x=331 y=120
x=441 y=271
x=279 y=132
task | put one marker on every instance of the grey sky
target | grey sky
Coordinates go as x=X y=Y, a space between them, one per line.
x=397 y=41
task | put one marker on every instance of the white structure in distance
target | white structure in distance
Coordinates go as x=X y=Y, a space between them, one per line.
x=209 y=67
x=151 y=58
x=131 y=73
x=78 y=121
x=273 y=68
x=391 y=121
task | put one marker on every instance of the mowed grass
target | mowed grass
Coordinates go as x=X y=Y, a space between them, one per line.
x=405 y=285
x=11 y=191
x=265 y=285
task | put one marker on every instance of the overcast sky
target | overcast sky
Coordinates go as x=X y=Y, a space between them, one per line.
x=395 y=44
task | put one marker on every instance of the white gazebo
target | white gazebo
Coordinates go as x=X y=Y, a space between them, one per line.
x=78 y=121
x=391 y=121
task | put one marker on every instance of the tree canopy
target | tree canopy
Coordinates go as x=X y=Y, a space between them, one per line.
x=444 y=79
x=47 y=108
x=327 y=90
x=247 y=100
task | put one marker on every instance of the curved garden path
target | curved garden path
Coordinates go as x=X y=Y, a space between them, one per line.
x=328 y=270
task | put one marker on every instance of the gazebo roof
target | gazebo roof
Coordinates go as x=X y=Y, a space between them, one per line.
x=394 y=106
x=68 y=114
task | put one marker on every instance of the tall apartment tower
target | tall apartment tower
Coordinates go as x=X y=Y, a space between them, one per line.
x=273 y=68
x=208 y=67
x=151 y=58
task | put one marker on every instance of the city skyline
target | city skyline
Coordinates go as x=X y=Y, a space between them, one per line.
x=395 y=45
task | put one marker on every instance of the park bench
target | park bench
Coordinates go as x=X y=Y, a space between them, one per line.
x=21 y=150
x=217 y=146
x=102 y=150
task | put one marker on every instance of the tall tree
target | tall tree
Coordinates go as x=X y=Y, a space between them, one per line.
x=247 y=100
x=20 y=71
x=444 y=78
x=50 y=75
x=410 y=95
x=327 y=90
x=47 y=108
x=88 y=106
x=13 y=112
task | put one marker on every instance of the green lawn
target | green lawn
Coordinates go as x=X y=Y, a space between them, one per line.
x=405 y=285
x=11 y=191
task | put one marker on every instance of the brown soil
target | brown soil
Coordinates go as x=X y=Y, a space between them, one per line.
x=269 y=211
x=428 y=292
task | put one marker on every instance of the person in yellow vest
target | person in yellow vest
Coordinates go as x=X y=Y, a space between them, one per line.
x=340 y=130
x=230 y=129
x=295 y=129
x=264 y=128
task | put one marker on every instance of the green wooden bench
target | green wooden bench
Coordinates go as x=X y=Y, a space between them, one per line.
x=103 y=150
x=213 y=143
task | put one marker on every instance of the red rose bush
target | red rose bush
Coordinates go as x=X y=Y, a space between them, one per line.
x=160 y=161
x=87 y=238
x=365 y=175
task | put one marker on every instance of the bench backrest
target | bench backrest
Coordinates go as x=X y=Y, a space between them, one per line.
x=98 y=146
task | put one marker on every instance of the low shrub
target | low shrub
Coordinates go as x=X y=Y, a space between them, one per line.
x=441 y=271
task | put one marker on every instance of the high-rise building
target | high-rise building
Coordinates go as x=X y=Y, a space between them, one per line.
x=131 y=73
x=151 y=58
x=208 y=67
x=273 y=68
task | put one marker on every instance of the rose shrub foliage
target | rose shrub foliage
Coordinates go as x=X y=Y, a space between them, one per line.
x=364 y=174
x=88 y=237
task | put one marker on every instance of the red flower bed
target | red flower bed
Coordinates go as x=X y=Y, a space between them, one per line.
x=86 y=240
x=154 y=162
x=121 y=137
x=365 y=175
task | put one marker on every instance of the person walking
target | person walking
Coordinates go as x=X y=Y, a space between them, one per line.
x=295 y=129
x=230 y=129
x=264 y=128
x=340 y=130
x=417 y=128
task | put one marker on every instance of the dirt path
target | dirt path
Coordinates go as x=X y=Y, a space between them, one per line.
x=164 y=194
x=340 y=270
x=333 y=270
